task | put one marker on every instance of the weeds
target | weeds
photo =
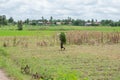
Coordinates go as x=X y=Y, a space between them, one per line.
x=9 y=66
x=3 y=52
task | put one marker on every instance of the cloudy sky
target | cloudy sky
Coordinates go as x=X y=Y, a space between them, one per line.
x=78 y=9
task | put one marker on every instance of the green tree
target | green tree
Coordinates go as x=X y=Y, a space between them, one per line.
x=62 y=40
x=51 y=20
x=88 y=21
x=10 y=20
x=92 y=22
x=27 y=21
x=4 y=20
x=69 y=19
x=20 y=25
x=79 y=22
x=0 y=21
x=106 y=22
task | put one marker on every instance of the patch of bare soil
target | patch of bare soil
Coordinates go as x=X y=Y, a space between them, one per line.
x=3 y=76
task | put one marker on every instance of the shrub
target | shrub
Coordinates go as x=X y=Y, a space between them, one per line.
x=20 y=25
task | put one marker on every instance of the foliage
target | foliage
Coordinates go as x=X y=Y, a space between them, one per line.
x=67 y=21
x=79 y=22
x=62 y=38
x=11 y=69
x=20 y=25
x=3 y=20
x=10 y=20
x=67 y=76
x=3 y=52
x=27 y=21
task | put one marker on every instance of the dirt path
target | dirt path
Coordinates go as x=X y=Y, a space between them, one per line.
x=3 y=76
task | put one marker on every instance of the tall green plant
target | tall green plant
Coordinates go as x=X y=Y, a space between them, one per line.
x=20 y=25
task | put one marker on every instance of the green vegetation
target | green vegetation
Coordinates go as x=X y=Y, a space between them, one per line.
x=56 y=22
x=25 y=33
x=62 y=28
x=48 y=30
x=62 y=38
x=92 y=53
x=76 y=63
x=20 y=25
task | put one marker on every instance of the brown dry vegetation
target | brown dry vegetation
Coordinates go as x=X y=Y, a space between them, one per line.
x=73 y=37
x=92 y=38
x=94 y=55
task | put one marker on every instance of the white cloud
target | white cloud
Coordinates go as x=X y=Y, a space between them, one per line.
x=84 y=9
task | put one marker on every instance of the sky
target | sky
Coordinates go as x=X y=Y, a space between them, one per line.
x=61 y=9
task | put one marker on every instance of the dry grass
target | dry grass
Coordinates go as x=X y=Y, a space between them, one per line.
x=94 y=61
x=92 y=38
x=73 y=37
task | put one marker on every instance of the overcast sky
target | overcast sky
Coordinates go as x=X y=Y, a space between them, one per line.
x=78 y=9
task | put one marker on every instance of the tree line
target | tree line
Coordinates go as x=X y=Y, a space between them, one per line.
x=51 y=21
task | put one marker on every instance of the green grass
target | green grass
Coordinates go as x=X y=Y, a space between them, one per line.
x=84 y=28
x=77 y=62
x=10 y=68
x=25 y=33
x=49 y=30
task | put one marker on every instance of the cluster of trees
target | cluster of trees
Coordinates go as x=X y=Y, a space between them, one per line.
x=51 y=21
x=5 y=21
x=70 y=21
x=110 y=23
